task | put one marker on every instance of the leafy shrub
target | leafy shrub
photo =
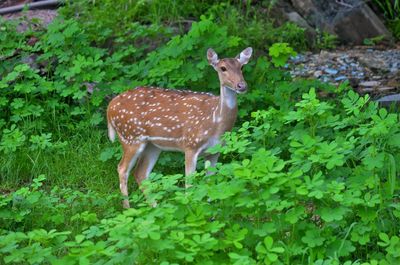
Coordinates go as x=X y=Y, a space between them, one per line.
x=304 y=180
x=280 y=53
x=305 y=189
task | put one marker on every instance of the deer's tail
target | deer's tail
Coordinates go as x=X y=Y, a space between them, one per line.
x=111 y=129
x=111 y=132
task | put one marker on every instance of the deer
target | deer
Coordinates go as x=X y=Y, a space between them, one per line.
x=149 y=120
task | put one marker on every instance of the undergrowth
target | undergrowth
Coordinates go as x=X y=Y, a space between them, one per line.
x=303 y=179
x=312 y=184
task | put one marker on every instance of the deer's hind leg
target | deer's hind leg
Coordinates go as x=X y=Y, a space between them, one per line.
x=213 y=159
x=146 y=163
x=130 y=155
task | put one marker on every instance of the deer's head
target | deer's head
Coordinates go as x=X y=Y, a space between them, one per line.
x=230 y=69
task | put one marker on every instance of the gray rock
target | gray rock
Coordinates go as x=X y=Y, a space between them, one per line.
x=317 y=73
x=390 y=100
x=298 y=20
x=385 y=88
x=351 y=20
x=331 y=71
x=370 y=84
x=340 y=78
x=374 y=62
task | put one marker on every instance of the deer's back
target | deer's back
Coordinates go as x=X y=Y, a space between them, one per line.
x=181 y=118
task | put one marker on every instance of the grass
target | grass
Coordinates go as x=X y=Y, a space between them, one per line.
x=76 y=166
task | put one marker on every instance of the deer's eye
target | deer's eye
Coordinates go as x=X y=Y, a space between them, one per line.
x=223 y=68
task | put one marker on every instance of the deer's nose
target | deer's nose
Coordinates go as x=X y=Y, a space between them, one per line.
x=241 y=86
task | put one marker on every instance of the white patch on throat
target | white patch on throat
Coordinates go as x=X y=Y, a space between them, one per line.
x=228 y=97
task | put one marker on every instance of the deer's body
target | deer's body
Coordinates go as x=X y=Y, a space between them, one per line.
x=190 y=121
x=149 y=120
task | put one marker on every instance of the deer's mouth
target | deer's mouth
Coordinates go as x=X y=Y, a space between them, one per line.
x=241 y=90
x=237 y=90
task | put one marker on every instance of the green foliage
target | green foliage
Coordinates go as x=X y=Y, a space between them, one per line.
x=302 y=180
x=280 y=53
x=316 y=196
x=325 y=40
x=374 y=40
x=394 y=26
x=390 y=8
x=101 y=15
x=391 y=11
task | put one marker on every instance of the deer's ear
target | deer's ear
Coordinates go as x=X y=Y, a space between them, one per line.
x=245 y=55
x=212 y=57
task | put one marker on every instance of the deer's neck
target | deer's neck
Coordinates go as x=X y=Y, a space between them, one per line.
x=227 y=100
x=227 y=109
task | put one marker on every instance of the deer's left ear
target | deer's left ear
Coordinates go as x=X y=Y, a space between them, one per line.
x=245 y=55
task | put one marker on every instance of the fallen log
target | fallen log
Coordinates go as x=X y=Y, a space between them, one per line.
x=34 y=5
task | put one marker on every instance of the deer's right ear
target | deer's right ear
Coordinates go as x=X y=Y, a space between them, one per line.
x=212 y=57
x=244 y=56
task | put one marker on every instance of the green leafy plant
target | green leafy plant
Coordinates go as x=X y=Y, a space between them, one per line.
x=373 y=41
x=280 y=53
x=325 y=40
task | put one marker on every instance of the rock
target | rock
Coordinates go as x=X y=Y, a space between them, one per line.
x=340 y=78
x=283 y=11
x=364 y=24
x=351 y=20
x=374 y=63
x=298 y=20
x=367 y=89
x=305 y=7
x=299 y=58
x=389 y=100
x=369 y=84
x=317 y=73
x=385 y=88
x=331 y=71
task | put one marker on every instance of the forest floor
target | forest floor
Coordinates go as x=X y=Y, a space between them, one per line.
x=368 y=69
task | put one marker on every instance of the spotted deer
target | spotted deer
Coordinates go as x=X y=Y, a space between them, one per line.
x=149 y=120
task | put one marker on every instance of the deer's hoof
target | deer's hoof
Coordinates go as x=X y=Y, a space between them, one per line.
x=125 y=204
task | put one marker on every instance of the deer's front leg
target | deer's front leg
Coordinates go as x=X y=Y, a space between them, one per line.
x=190 y=163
